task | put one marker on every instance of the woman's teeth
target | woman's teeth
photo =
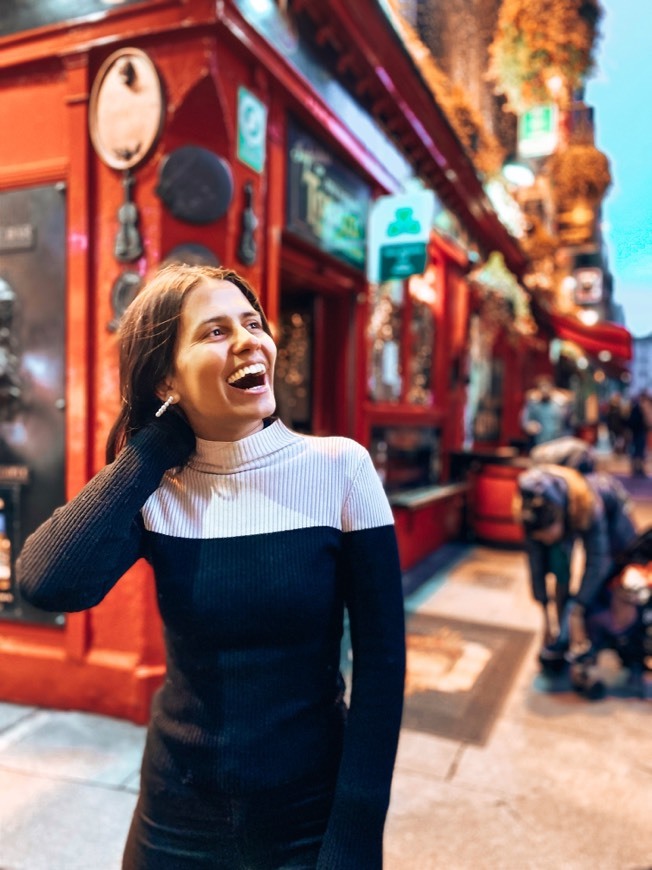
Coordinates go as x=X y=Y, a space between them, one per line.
x=248 y=376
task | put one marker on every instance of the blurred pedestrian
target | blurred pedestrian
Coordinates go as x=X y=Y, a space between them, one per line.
x=259 y=538
x=568 y=451
x=619 y=620
x=558 y=506
x=616 y=423
x=638 y=427
x=546 y=414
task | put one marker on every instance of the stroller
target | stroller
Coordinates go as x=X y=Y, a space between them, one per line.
x=620 y=620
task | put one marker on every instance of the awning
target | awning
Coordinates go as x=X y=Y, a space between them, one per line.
x=609 y=342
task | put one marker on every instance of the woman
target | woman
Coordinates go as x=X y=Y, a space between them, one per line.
x=258 y=538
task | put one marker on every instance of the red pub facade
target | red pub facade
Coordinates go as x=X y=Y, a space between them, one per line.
x=249 y=134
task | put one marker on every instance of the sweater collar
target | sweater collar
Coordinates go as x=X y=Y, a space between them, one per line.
x=225 y=457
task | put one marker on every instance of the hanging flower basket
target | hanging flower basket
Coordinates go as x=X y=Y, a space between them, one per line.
x=500 y=299
x=538 y=243
x=537 y=41
x=579 y=172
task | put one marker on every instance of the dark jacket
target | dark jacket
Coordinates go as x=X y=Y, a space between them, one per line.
x=595 y=511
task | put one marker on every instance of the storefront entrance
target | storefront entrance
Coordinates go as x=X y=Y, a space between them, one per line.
x=314 y=375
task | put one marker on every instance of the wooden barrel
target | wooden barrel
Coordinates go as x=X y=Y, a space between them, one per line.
x=492 y=505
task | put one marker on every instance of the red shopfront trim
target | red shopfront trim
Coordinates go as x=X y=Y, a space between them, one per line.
x=596 y=339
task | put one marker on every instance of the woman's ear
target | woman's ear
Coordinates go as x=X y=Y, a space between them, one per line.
x=165 y=389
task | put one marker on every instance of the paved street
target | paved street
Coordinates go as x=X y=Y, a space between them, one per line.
x=560 y=782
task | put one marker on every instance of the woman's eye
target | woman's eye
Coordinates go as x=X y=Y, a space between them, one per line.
x=216 y=332
x=254 y=324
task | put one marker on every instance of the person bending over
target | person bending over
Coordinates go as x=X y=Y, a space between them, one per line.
x=557 y=506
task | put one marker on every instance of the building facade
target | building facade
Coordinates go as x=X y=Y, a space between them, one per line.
x=253 y=134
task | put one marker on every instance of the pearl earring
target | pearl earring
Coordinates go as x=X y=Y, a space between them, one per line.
x=166 y=404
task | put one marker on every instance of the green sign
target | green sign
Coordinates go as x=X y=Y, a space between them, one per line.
x=404 y=222
x=252 y=129
x=399 y=233
x=538 y=131
x=401 y=261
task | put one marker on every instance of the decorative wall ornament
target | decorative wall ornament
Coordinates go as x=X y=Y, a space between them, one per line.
x=247 y=249
x=126 y=109
x=125 y=113
x=195 y=184
x=128 y=244
x=124 y=290
x=192 y=254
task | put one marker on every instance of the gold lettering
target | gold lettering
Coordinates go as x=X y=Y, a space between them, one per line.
x=315 y=199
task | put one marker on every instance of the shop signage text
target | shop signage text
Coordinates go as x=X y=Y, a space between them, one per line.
x=327 y=204
x=17 y=237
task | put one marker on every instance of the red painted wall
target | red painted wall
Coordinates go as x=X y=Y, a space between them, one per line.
x=110 y=659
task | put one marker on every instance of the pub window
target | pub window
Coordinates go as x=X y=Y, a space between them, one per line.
x=422 y=340
x=401 y=341
x=385 y=327
x=293 y=386
x=486 y=426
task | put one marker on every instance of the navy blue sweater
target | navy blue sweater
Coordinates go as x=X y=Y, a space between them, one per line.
x=257 y=546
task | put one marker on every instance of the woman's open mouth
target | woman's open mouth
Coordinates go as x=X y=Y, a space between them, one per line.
x=248 y=377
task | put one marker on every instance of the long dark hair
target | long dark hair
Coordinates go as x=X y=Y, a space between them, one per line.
x=148 y=335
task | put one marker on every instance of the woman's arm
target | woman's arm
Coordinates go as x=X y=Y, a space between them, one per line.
x=72 y=560
x=373 y=592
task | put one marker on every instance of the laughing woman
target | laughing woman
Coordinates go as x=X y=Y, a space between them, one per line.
x=259 y=538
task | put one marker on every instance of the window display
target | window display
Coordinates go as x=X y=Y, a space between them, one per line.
x=422 y=341
x=385 y=326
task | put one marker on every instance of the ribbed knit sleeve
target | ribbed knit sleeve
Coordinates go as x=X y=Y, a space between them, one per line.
x=371 y=575
x=74 y=558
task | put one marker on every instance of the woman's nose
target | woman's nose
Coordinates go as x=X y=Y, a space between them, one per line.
x=245 y=338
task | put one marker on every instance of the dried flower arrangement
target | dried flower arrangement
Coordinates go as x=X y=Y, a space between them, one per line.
x=538 y=41
x=579 y=172
x=481 y=145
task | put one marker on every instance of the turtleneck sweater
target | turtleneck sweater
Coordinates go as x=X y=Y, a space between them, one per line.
x=257 y=547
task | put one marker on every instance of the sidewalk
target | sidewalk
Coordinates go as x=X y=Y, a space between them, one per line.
x=559 y=782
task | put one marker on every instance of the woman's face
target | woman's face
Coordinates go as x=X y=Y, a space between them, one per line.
x=223 y=371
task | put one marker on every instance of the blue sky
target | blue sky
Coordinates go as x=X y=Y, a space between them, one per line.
x=619 y=91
